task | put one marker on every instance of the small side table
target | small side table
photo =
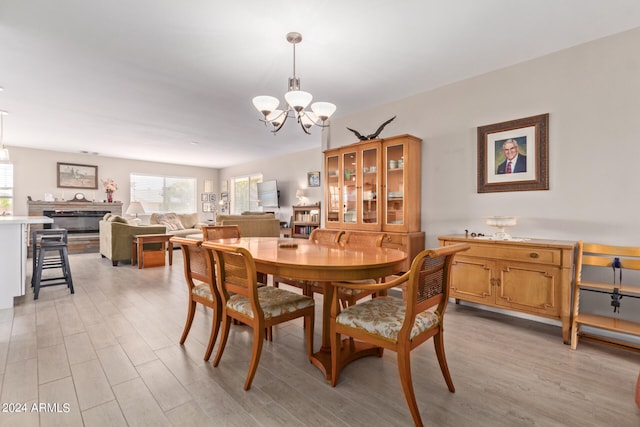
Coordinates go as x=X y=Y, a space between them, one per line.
x=151 y=257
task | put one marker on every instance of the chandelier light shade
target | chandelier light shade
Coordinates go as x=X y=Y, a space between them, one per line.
x=297 y=101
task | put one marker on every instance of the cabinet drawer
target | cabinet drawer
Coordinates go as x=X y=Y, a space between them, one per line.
x=536 y=255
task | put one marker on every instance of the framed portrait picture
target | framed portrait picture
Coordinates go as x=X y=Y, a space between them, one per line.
x=206 y=207
x=204 y=197
x=72 y=175
x=313 y=179
x=514 y=155
x=212 y=197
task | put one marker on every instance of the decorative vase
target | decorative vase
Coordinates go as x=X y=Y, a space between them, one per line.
x=109 y=197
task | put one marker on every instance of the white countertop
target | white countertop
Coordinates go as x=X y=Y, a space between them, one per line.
x=25 y=220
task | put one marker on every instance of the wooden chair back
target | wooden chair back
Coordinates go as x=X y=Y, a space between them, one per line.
x=195 y=262
x=236 y=273
x=428 y=284
x=323 y=236
x=597 y=255
x=363 y=238
x=217 y=232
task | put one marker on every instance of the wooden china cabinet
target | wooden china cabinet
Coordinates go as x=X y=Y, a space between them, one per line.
x=367 y=188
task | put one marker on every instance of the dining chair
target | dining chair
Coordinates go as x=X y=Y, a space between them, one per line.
x=320 y=236
x=217 y=232
x=399 y=324
x=358 y=239
x=199 y=275
x=259 y=307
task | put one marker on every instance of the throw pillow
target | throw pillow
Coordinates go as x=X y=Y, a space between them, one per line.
x=107 y=216
x=170 y=221
x=189 y=220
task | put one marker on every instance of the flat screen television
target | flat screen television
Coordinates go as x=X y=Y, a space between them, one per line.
x=268 y=194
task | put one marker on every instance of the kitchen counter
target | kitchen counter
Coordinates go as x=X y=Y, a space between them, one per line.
x=14 y=237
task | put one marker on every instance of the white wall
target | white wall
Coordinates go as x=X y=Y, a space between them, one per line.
x=291 y=173
x=35 y=174
x=592 y=93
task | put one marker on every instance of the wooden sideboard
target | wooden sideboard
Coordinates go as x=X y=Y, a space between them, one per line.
x=531 y=276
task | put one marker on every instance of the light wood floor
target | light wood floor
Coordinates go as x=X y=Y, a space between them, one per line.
x=109 y=356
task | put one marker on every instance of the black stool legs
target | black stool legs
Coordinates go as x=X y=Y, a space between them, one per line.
x=50 y=251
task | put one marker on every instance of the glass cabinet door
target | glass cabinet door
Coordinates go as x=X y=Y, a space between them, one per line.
x=333 y=189
x=395 y=184
x=369 y=186
x=349 y=194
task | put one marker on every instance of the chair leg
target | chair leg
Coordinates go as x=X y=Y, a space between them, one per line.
x=215 y=327
x=187 y=325
x=438 y=342
x=67 y=269
x=404 y=368
x=256 y=352
x=226 y=326
x=36 y=284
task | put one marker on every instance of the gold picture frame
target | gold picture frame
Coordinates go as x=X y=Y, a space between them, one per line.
x=522 y=142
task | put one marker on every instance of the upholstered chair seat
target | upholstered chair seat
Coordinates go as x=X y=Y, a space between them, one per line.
x=384 y=316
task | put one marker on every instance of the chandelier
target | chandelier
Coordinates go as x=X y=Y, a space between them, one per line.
x=296 y=99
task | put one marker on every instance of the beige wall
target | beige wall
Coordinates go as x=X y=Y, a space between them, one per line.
x=35 y=174
x=592 y=93
x=291 y=173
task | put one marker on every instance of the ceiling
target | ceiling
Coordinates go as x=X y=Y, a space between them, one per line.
x=172 y=80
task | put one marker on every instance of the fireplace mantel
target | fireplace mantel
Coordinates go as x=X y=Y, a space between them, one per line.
x=36 y=207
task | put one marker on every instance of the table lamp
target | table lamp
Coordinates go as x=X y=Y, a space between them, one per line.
x=300 y=196
x=135 y=208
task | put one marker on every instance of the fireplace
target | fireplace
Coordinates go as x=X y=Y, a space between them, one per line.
x=75 y=221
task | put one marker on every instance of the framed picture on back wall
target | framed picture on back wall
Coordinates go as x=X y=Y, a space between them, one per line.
x=313 y=179
x=73 y=175
x=514 y=155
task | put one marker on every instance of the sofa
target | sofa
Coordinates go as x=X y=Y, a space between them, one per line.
x=116 y=236
x=180 y=225
x=253 y=225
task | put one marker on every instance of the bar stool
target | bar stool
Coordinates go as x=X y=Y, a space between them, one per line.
x=49 y=252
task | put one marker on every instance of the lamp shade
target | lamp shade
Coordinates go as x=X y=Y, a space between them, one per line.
x=298 y=99
x=300 y=194
x=265 y=104
x=135 y=208
x=323 y=110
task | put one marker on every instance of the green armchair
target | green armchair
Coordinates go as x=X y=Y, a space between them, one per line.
x=116 y=236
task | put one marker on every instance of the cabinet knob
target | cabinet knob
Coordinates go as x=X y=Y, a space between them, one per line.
x=533 y=255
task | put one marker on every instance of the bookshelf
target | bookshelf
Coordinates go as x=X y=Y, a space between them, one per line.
x=306 y=218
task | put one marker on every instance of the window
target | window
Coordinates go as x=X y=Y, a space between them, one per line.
x=6 y=188
x=164 y=193
x=243 y=192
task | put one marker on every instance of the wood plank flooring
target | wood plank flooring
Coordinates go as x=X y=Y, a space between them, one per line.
x=109 y=356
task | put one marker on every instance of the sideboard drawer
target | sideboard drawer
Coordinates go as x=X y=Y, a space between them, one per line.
x=546 y=256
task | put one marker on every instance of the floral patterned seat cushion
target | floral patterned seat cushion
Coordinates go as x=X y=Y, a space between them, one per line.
x=383 y=316
x=274 y=302
x=353 y=292
x=202 y=290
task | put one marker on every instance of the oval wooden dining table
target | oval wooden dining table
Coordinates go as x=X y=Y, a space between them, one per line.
x=304 y=260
